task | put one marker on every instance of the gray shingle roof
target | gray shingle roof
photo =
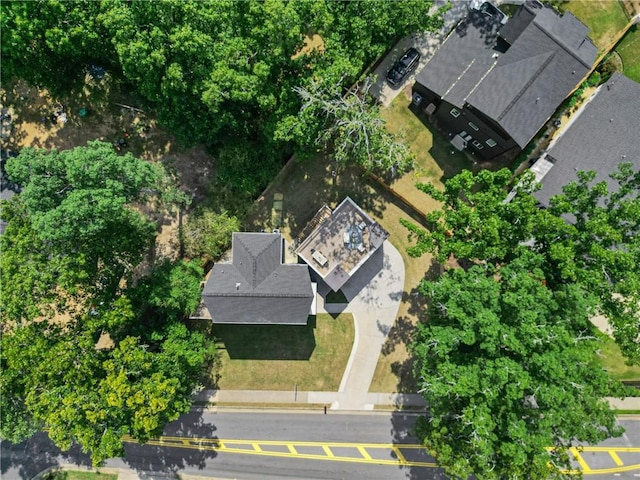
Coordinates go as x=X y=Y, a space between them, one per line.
x=257 y=287
x=606 y=133
x=521 y=88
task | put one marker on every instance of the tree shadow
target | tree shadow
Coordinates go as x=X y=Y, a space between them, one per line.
x=191 y=428
x=402 y=433
x=28 y=458
x=33 y=456
x=267 y=342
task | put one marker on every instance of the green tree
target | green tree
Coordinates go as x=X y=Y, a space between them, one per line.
x=51 y=43
x=508 y=368
x=349 y=126
x=207 y=234
x=597 y=248
x=80 y=206
x=56 y=378
x=74 y=236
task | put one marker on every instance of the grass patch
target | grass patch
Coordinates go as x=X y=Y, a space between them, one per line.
x=435 y=161
x=335 y=297
x=277 y=357
x=79 y=475
x=629 y=50
x=613 y=361
x=605 y=18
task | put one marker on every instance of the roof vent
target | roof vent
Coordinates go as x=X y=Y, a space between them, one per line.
x=611 y=120
x=238 y=286
x=495 y=55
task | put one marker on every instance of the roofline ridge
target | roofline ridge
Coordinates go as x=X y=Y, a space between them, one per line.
x=563 y=44
x=252 y=282
x=525 y=87
x=259 y=294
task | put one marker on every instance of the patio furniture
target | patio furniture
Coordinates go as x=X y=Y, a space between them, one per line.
x=320 y=258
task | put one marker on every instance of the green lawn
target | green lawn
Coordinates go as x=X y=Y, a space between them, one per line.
x=79 y=475
x=629 y=50
x=613 y=361
x=605 y=18
x=436 y=159
x=279 y=357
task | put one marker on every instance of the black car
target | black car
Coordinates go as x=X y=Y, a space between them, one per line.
x=403 y=66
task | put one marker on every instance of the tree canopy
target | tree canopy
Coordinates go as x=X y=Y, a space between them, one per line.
x=508 y=368
x=79 y=206
x=215 y=71
x=87 y=352
x=507 y=356
x=348 y=126
x=587 y=236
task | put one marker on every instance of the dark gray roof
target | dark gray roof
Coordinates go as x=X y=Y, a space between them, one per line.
x=521 y=88
x=463 y=59
x=516 y=24
x=257 y=287
x=606 y=133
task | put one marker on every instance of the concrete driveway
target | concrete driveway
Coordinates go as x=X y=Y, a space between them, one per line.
x=374 y=296
x=426 y=43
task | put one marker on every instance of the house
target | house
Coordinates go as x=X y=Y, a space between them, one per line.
x=491 y=87
x=605 y=133
x=256 y=287
x=337 y=243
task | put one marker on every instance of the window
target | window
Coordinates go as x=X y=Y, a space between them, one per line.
x=474 y=126
x=477 y=144
x=491 y=142
x=455 y=113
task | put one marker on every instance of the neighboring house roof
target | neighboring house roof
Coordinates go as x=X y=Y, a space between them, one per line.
x=256 y=287
x=520 y=84
x=341 y=242
x=604 y=134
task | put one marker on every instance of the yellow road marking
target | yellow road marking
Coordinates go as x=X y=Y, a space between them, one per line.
x=401 y=459
x=616 y=458
x=364 y=453
x=583 y=465
x=241 y=447
x=615 y=449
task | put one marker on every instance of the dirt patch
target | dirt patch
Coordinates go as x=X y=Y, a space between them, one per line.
x=101 y=111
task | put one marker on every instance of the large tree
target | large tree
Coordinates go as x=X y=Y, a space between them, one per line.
x=215 y=71
x=87 y=353
x=507 y=357
x=78 y=206
x=508 y=369
x=588 y=235
x=347 y=126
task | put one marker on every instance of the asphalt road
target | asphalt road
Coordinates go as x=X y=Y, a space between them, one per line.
x=260 y=445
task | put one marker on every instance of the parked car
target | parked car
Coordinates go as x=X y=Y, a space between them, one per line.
x=405 y=64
